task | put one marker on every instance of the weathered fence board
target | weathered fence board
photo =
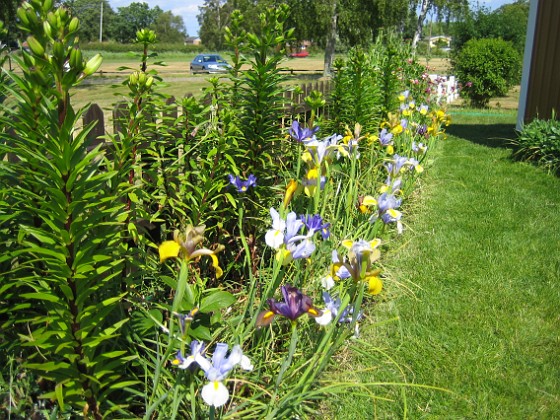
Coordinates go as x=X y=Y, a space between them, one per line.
x=292 y=101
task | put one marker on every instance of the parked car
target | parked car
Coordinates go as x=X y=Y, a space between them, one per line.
x=302 y=53
x=209 y=63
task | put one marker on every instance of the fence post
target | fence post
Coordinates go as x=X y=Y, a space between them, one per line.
x=94 y=114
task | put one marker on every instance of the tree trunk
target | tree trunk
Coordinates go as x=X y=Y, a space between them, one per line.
x=331 y=42
x=424 y=6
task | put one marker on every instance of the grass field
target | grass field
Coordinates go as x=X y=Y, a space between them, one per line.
x=178 y=82
x=472 y=296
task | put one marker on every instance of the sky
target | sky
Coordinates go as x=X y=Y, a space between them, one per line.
x=188 y=9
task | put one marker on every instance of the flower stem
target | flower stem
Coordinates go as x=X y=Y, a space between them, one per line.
x=288 y=359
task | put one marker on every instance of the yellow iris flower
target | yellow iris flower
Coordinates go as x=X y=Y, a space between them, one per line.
x=184 y=246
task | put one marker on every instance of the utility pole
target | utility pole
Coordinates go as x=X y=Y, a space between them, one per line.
x=101 y=23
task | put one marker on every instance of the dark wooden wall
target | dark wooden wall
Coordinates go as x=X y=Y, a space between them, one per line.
x=543 y=89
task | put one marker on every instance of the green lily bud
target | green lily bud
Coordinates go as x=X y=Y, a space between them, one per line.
x=47 y=5
x=58 y=51
x=22 y=16
x=51 y=18
x=149 y=82
x=93 y=64
x=133 y=79
x=32 y=18
x=76 y=59
x=62 y=15
x=74 y=25
x=48 y=29
x=35 y=46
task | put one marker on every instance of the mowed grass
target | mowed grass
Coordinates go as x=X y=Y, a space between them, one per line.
x=472 y=299
x=105 y=88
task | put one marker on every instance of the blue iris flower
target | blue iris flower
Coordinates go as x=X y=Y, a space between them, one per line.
x=300 y=133
x=242 y=185
x=315 y=223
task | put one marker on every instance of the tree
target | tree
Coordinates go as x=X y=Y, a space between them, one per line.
x=509 y=23
x=132 y=18
x=169 y=28
x=450 y=8
x=8 y=9
x=213 y=18
x=96 y=18
x=331 y=40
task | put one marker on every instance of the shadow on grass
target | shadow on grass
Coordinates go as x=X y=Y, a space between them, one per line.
x=490 y=135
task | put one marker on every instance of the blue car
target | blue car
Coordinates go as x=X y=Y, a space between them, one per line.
x=209 y=63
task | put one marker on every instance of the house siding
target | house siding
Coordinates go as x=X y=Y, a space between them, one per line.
x=543 y=86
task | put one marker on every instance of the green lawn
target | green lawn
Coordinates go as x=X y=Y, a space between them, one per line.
x=473 y=299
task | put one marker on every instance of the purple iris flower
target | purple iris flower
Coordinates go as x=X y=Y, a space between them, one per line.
x=334 y=307
x=293 y=226
x=295 y=304
x=387 y=201
x=340 y=270
x=404 y=123
x=418 y=148
x=385 y=138
x=396 y=165
x=313 y=182
x=317 y=149
x=393 y=185
x=333 y=140
x=185 y=319
x=315 y=223
x=221 y=363
x=196 y=356
x=422 y=130
x=390 y=217
x=241 y=185
x=300 y=133
x=302 y=249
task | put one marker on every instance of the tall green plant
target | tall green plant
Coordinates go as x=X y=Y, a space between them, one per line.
x=260 y=87
x=61 y=213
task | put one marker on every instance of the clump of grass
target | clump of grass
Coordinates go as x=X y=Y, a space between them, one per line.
x=477 y=293
x=539 y=142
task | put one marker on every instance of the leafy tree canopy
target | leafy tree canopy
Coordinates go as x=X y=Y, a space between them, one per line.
x=509 y=23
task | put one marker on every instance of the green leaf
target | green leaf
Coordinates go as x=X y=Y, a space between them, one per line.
x=216 y=301
x=133 y=197
x=41 y=296
x=212 y=152
x=189 y=298
x=200 y=333
x=231 y=200
x=59 y=391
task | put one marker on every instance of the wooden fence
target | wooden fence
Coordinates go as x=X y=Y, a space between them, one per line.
x=292 y=101
x=445 y=89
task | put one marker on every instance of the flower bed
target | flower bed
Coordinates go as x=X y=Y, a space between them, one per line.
x=207 y=264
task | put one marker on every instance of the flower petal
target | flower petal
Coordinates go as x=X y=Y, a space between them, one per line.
x=374 y=285
x=215 y=393
x=326 y=318
x=168 y=249
x=219 y=271
x=274 y=238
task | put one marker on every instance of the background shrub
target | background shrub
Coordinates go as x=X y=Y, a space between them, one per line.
x=539 y=142
x=487 y=68
x=160 y=47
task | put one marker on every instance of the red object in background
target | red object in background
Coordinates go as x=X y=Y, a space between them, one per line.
x=303 y=53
